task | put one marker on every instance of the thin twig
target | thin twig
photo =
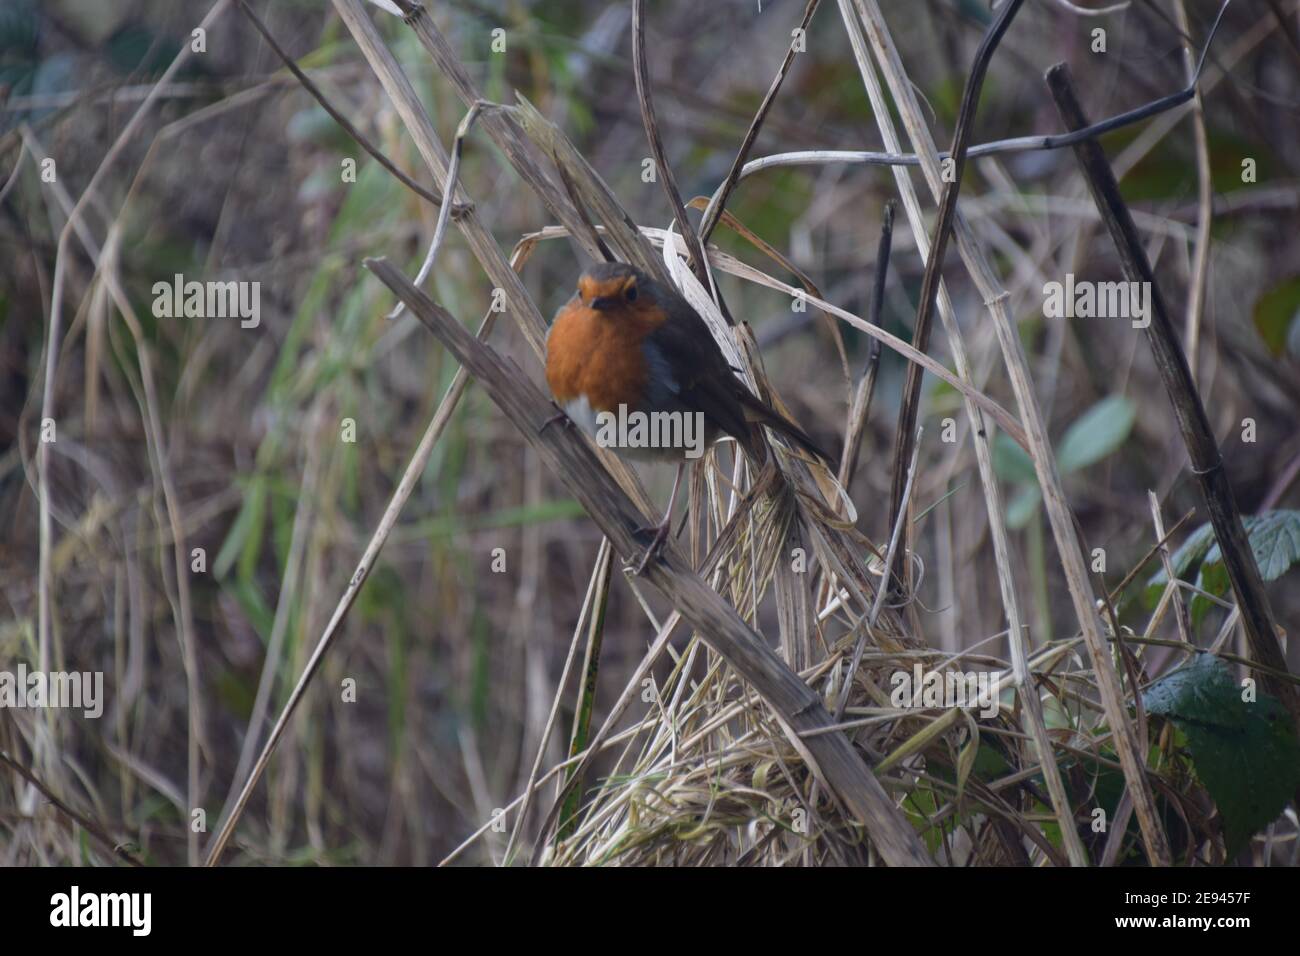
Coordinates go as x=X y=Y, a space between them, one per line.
x=356 y=134
x=499 y=125
x=900 y=519
x=587 y=691
x=1134 y=571
x=444 y=213
x=602 y=558
x=867 y=383
x=718 y=203
x=905 y=433
x=1018 y=144
x=1180 y=610
x=694 y=250
x=1205 y=207
x=90 y=826
x=414 y=469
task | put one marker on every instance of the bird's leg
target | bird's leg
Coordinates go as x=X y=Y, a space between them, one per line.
x=661 y=532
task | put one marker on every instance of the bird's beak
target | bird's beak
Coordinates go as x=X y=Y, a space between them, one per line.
x=603 y=302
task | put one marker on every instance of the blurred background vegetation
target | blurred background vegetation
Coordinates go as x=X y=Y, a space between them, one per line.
x=235 y=174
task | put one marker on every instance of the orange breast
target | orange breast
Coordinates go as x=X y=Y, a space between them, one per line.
x=596 y=356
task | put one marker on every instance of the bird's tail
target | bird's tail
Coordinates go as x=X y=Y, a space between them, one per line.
x=761 y=413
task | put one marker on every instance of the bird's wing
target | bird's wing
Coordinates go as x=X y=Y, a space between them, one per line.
x=692 y=366
x=705 y=381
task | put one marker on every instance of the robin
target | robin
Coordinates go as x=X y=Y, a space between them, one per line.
x=627 y=348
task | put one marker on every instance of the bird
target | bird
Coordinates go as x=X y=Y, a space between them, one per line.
x=627 y=343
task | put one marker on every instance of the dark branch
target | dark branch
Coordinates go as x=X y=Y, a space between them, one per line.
x=1167 y=352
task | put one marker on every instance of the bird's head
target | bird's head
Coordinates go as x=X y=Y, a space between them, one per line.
x=615 y=288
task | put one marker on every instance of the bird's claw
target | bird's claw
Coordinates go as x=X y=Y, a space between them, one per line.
x=653 y=549
x=559 y=416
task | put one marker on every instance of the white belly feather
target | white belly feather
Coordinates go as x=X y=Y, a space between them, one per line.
x=582 y=414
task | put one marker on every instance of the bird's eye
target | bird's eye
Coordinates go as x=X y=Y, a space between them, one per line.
x=630 y=294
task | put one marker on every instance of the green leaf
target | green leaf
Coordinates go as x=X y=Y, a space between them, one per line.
x=966 y=756
x=1244 y=752
x=1010 y=462
x=1023 y=506
x=1275 y=312
x=920 y=807
x=136 y=50
x=1212 y=579
x=1275 y=539
x=1185 y=560
x=249 y=597
x=251 y=551
x=1099 y=432
x=245 y=533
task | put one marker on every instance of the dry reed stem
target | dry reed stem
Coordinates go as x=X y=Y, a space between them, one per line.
x=1204 y=203
x=905 y=432
x=1049 y=479
x=1016 y=637
x=602 y=556
x=528 y=161
x=414 y=469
